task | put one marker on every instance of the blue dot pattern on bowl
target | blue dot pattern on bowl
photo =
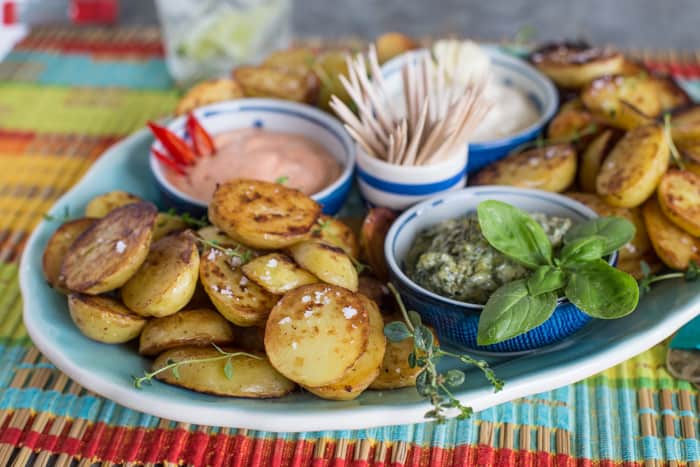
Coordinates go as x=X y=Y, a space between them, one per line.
x=460 y=326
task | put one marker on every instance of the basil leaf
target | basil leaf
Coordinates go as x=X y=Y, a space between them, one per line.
x=616 y=230
x=583 y=249
x=601 y=291
x=512 y=311
x=514 y=233
x=546 y=279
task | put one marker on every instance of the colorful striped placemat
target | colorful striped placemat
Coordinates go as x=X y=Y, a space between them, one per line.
x=66 y=95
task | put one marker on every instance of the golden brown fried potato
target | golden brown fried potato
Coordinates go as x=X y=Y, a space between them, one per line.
x=250 y=377
x=106 y=255
x=104 y=319
x=188 y=327
x=374 y=229
x=633 y=266
x=634 y=167
x=392 y=44
x=298 y=60
x=327 y=262
x=551 y=168
x=239 y=299
x=622 y=101
x=675 y=247
x=208 y=92
x=374 y=289
x=592 y=158
x=263 y=215
x=57 y=247
x=572 y=65
x=670 y=94
x=262 y=81
x=692 y=166
x=316 y=333
x=685 y=127
x=250 y=339
x=640 y=244
x=101 y=205
x=213 y=234
x=572 y=120
x=167 y=224
x=166 y=280
x=679 y=198
x=336 y=233
x=329 y=67
x=366 y=368
x=277 y=273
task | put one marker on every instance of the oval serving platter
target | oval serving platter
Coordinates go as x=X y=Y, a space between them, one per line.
x=108 y=369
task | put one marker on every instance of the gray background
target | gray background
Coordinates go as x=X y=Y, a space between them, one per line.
x=659 y=24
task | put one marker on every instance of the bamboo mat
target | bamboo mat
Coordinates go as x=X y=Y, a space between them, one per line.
x=65 y=96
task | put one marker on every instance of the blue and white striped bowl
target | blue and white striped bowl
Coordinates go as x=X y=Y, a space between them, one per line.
x=458 y=322
x=275 y=115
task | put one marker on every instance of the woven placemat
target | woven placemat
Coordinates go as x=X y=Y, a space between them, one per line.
x=65 y=96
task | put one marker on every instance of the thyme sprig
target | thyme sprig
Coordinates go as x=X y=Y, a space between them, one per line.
x=188 y=219
x=323 y=225
x=282 y=180
x=675 y=153
x=690 y=274
x=436 y=387
x=174 y=366
x=243 y=254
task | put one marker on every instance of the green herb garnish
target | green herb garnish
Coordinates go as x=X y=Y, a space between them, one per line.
x=690 y=274
x=172 y=365
x=430 y=383
x=243 y=254
x=577 y=271
x=676 y=155
x=323 y=225
x=282 y=180
x=188 y=219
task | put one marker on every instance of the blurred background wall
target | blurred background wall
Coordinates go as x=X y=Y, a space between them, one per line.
x=632 y=23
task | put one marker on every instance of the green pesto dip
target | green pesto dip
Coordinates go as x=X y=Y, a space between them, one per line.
x=453 y=259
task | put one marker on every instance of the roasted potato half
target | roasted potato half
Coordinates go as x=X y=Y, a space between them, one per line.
x=679 y=198
x=277 y=273
x=214 y=234
x=316 y=333
x=640 y=244
x=633 y=266
x=592 y=158
x=167 y=224
x=573 y=65
x=251 y=377
x=101 y=205
x=572 y=120
x=634 y=167
x=675 y=247
x=107 y=254
x=251 y=338
x=266 y=81
x=551 y=168
x=104 y=319
x=189 y=327
x=373 y=232
x=375 y=290
x=366 y=368
x=166 y=280
x=296 y=59
x=670 y=94
x=392 y=44
x=263 y=215
x=237 y=298
x=327 y=262
x=685 y=126
x=622 y=101
x=208 y=92
x=57 y=247
x=336 y=233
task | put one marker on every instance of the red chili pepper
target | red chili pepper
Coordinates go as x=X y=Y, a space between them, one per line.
x=201 y=140
x=168 y=161
x=176 y=146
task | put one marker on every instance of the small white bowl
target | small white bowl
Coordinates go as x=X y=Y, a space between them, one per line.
x=400 y=186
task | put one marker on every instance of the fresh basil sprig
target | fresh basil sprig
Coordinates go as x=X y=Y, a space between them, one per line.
x=577 y=271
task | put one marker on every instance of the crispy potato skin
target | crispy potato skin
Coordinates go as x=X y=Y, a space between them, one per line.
x=208 y=92
x=679 y=198
x=675 y=247
x=634 y=167
x=104 y=319
x=685 y=126
x=269 y=81
x=592 y=158
x=263 y=215
x=671 y=95
x=622 y=101
x=252 y=377
x=167 y=224
x=571 y=119
x=316 y=333
x=327 y=262
x=188 y=327
x=552 y=168
x=574 y=65
x=166 y=280
x=56 y=249
x=107 y=254
x=640 y=244
x=238 y=299
x=336 y=233
x=101 y=205
x=373 y=232
x=366 y=368
x=277 y=273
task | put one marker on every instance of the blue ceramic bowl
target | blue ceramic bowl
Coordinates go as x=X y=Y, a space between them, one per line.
x=511 y=72
x=456 y=321
x=271 y=114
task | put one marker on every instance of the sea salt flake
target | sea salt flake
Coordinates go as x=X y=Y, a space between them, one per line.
x=212 y=254
x=120 y=247
x=235 y=261
x=305 y=299
x=215 y=288
x=398 y=370
x=294 y=345
x=285 y=320
x=272 y=263
x=244 y=280
x=349 y=312
x=226 y=292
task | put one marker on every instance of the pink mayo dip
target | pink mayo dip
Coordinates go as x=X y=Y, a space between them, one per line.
x=259 y=154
